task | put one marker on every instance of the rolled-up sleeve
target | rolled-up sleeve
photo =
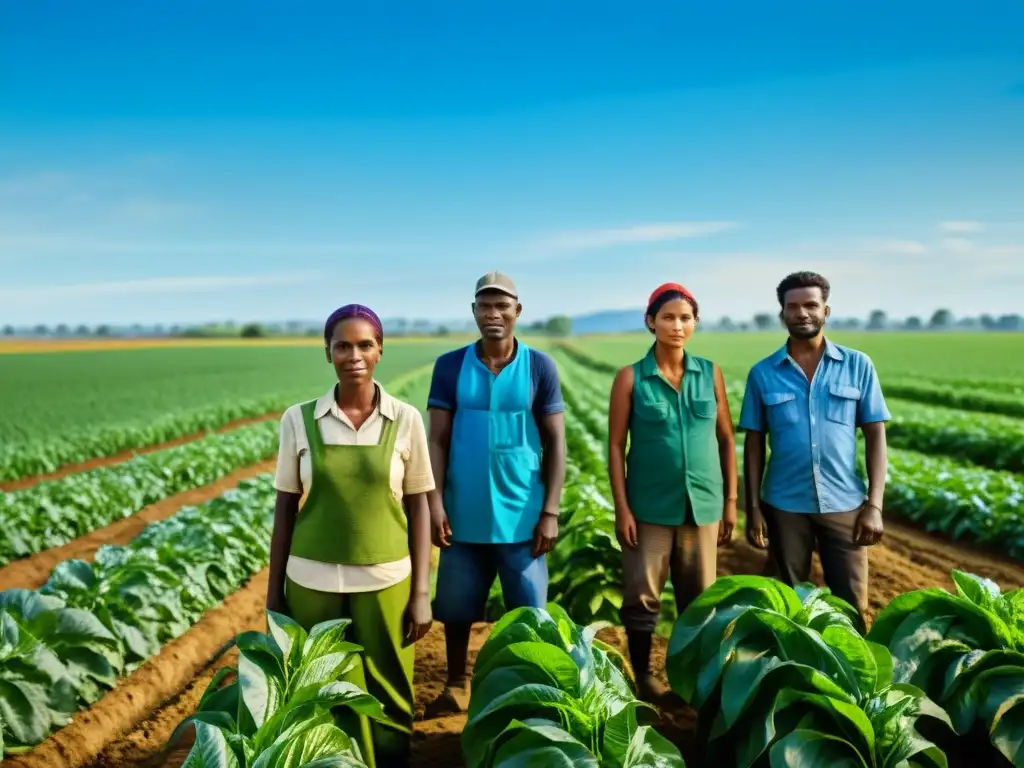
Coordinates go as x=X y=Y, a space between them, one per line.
x=871 y=407
x=286 y=477
x=419 y=476
x=752 y=411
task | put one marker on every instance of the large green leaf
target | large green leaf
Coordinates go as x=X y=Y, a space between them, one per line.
x=813 y=749
x=210 y=749
x=536 y=743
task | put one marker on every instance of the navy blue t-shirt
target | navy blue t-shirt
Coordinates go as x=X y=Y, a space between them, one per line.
x=546 y=391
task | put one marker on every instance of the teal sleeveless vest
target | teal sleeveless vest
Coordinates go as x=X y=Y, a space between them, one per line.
x=673 y=445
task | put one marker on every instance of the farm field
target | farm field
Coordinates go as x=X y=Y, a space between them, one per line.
x=120 y=606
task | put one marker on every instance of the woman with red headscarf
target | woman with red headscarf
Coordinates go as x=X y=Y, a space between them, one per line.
x=352 y=527
x=675 y=491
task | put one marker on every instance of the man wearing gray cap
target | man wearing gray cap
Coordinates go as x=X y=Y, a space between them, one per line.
x=497 y=447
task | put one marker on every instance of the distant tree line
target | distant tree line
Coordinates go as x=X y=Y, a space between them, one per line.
x=556 y=325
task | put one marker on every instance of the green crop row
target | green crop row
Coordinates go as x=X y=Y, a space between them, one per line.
x=963 y=397
x=942 y=495
x=18 y=460
x=55 y=512
x=63 y=646
x=783 y=677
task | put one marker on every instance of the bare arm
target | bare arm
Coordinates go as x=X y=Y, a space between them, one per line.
x=726 y=438
x=418 y=510
x=286 y=507
x=619 y=406
x=877 y=462
x=753 y=474
x=552 y=435
x=439 y=443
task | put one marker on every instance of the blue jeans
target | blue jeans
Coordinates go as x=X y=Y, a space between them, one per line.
x=466 y=572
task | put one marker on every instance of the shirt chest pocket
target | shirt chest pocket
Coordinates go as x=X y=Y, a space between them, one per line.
x=781 y=409
x=842 y=404
x=650 y=411
x=704 y=409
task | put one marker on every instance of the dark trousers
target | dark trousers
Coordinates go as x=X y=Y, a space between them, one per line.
x=793 y=538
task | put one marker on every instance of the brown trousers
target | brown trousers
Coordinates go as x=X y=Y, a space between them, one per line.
x=793 y=538
x=688 y=552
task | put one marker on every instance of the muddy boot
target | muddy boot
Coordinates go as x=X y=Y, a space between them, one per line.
x=649 y=688
x=453 y=700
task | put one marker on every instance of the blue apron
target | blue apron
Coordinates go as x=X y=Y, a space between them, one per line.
x=493 y=490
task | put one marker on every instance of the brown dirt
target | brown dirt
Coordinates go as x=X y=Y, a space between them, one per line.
x=32 y=572
x=145 y=691
x=106 y=461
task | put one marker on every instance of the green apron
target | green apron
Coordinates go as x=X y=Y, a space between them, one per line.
x=351 y=517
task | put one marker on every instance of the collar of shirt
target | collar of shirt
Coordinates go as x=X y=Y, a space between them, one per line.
x=649 y=365
x=387 y=406
x=831 y=350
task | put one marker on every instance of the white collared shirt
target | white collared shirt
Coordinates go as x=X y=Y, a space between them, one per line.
x=410 y=473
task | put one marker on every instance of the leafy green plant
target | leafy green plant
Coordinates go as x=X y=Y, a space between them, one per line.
x=546 y=692
x=274 y=710
x=966 y=650
x=67 y=644
x=55 y=512
x=784 y=677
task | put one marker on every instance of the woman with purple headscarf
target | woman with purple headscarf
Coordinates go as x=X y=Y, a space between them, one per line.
x=352 y=527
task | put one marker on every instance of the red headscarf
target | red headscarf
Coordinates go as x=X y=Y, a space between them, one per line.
x=664 y=288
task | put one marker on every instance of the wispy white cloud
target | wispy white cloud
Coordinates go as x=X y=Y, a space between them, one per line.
x=908 y=247
x=958 y=244
x=39 y=295
x=962 y=227
x=639 y=233
x=149 y=210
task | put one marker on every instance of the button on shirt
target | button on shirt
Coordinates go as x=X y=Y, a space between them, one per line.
x=812 y=427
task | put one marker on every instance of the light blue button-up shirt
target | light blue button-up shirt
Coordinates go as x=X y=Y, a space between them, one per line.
x=812 y=427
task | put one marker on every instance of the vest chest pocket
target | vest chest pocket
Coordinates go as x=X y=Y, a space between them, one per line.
x=704 y=409
x=507 y=430
x=781 y=409
x=650 y=410
x=842 y=404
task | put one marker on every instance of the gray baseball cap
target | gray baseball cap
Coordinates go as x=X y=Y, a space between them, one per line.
x=497 y=281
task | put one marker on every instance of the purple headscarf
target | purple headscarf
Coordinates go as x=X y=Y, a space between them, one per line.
x=348 y=312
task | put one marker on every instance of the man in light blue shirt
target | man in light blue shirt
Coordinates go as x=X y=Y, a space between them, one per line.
x=809 y=398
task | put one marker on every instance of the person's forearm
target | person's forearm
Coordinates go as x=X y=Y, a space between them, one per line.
x=617 y=475
x=419 y=542
x=554 y=474
x=285 y=508
x=877 y=465
x=439 y=466
x=753 y=471
x=727 y=458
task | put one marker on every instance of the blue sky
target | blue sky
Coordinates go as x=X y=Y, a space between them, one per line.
x=272 y=161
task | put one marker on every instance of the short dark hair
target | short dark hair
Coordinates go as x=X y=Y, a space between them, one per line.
x=802 y=280
x=665 y=298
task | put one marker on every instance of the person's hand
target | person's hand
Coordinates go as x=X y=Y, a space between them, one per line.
x=625 y=528
x=545 y=534
x=757 y=529
x=417 y=619
x=867 y=531
x=728 y=523
x=440 y=531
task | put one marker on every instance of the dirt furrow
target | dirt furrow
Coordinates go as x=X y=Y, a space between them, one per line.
x=33 y=571
x=118 y=458
x=149 y=688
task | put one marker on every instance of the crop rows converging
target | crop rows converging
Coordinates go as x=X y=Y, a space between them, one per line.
x=958 y=499
x=76 y=406
x=64 y=645
x=55 y=512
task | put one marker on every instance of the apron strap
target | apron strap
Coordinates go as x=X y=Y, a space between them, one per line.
x=313 y=436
